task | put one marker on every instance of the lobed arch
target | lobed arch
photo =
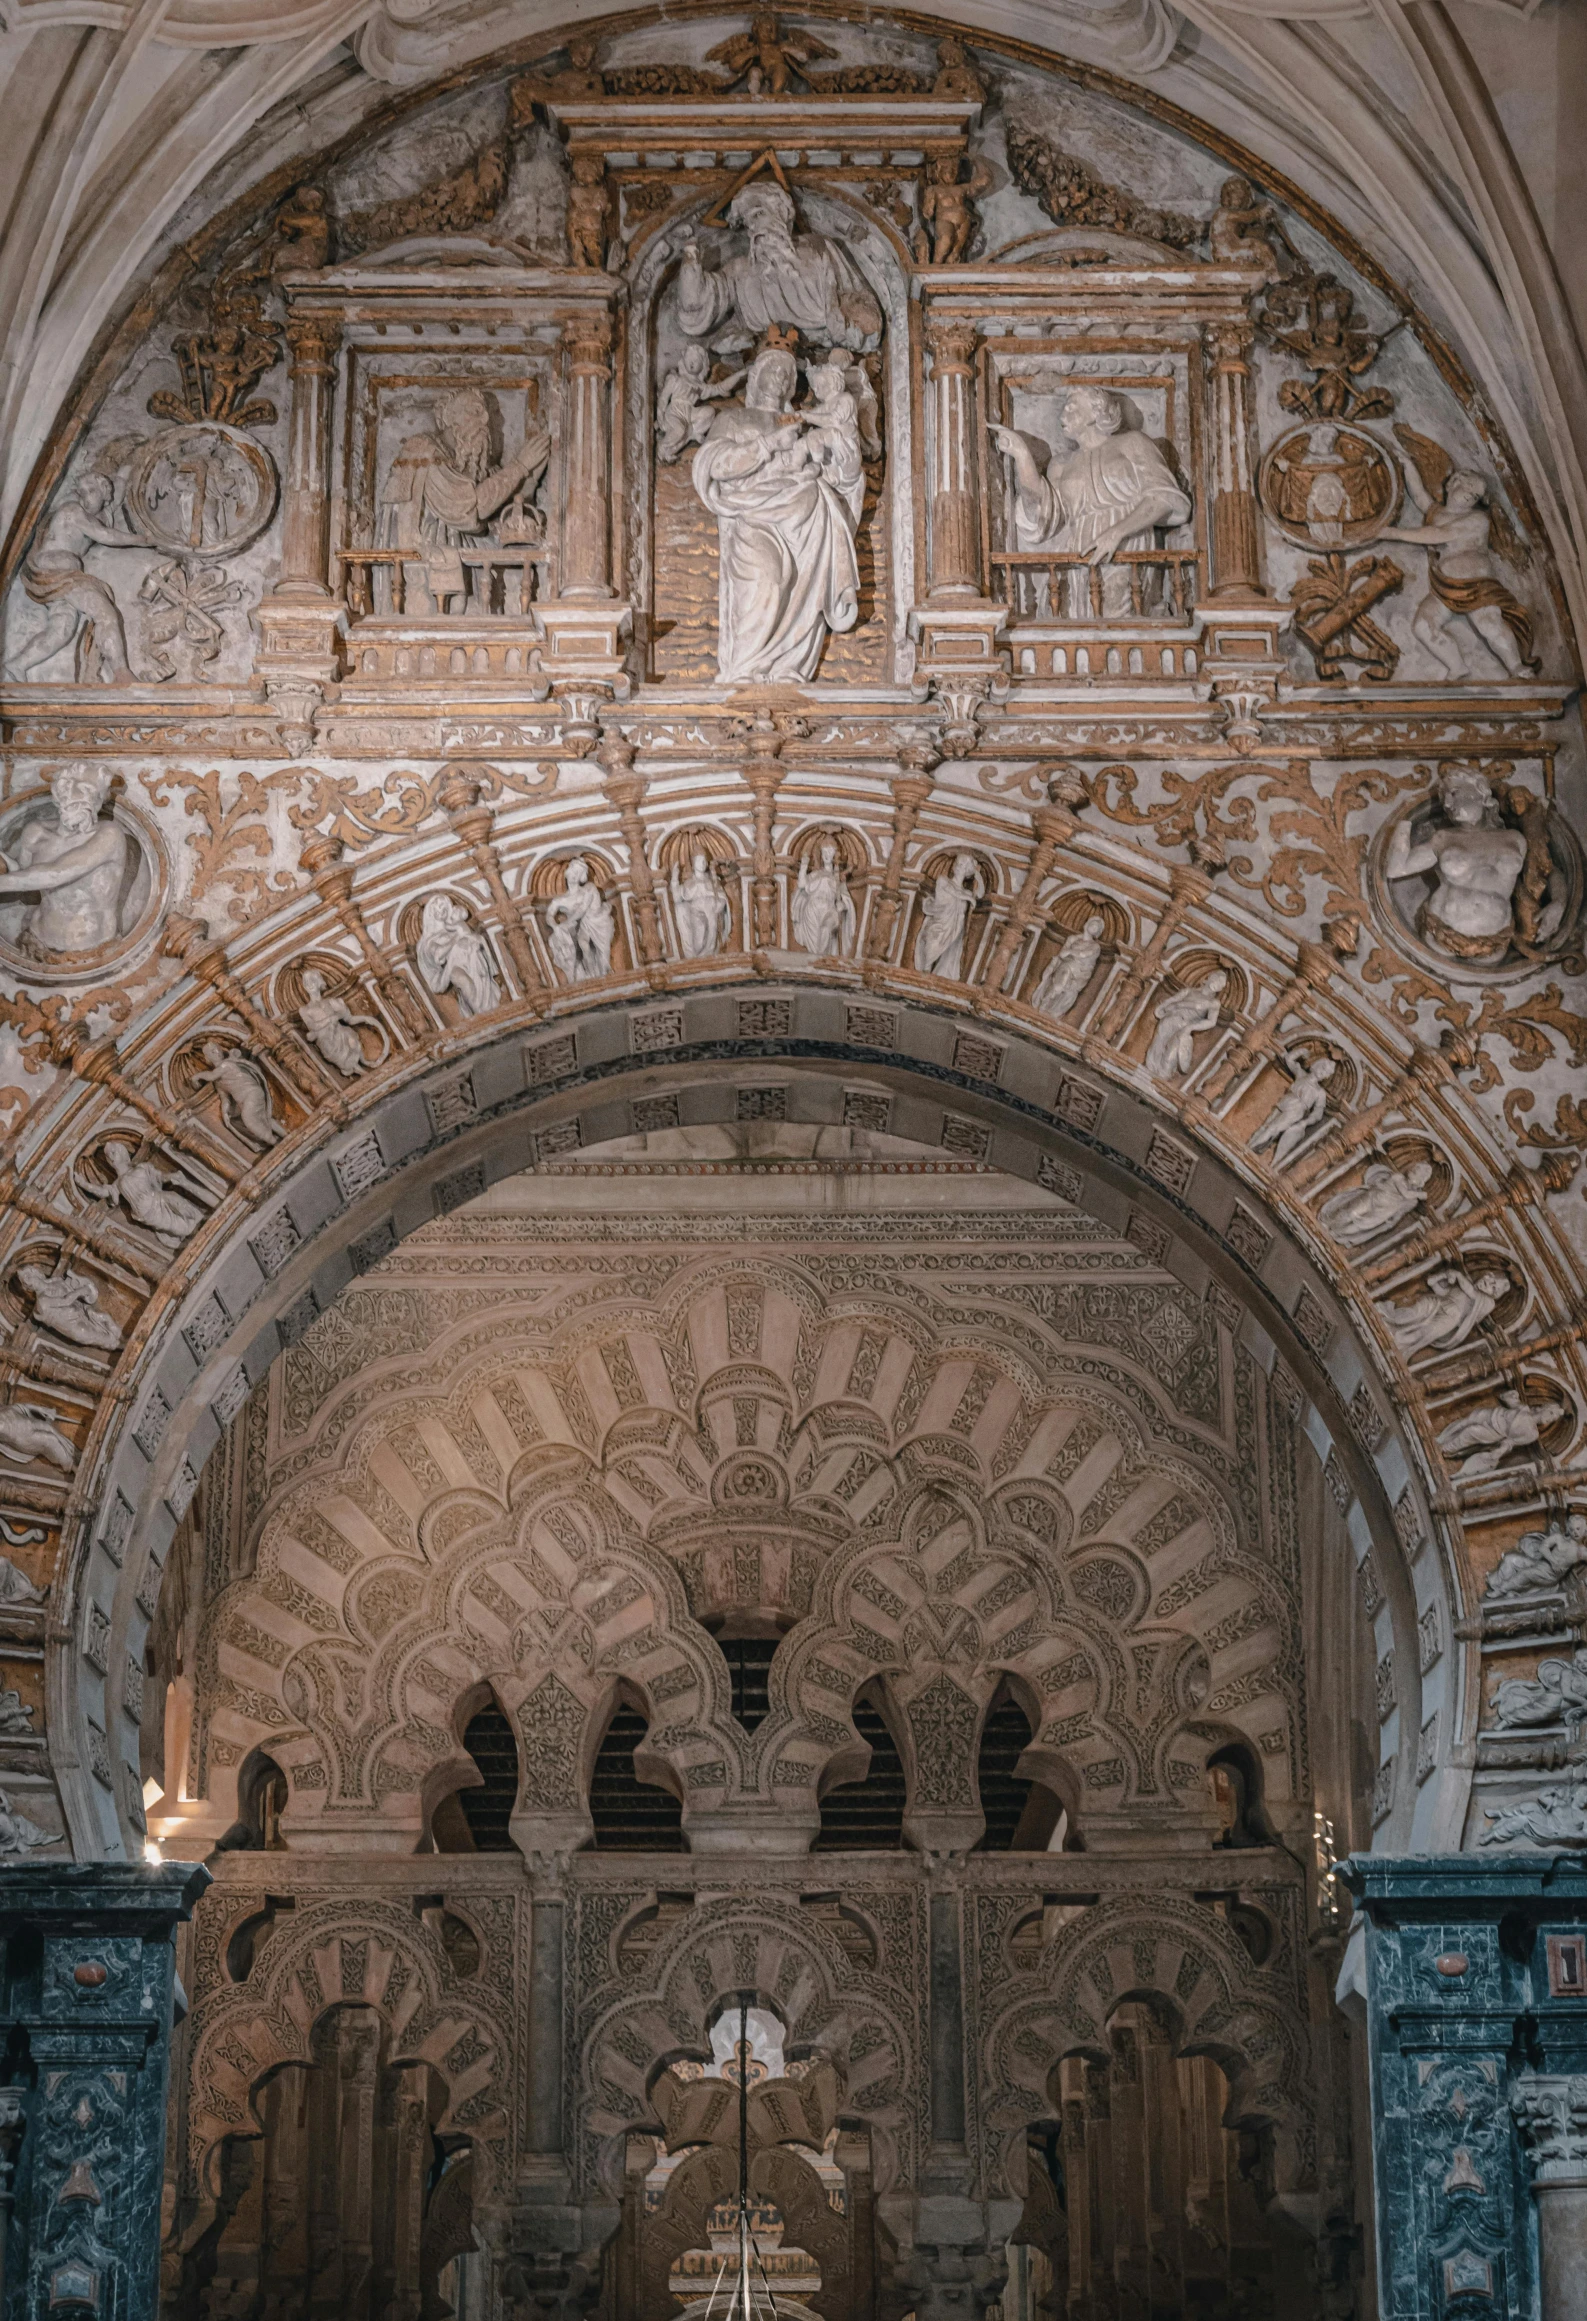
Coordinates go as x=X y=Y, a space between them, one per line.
x=272 y=1269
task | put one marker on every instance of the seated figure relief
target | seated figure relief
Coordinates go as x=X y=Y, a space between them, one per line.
x=442 y=493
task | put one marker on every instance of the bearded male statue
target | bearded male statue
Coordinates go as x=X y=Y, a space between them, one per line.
x=442 y=491
x=802 y=281
x=1112 y=490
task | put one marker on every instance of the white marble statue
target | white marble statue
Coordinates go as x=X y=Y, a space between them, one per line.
x=244 y=1093
x=333 y=1028
x=1111 y=490
x=1539 y=1562
x=1483 y=1437
x=17 y=1833
x=1179 y=1018
x=16 y=1587
x=805 y=281
x=1556 y=1695
x=146 y=1194
x=80 y=609
x=442 y=493
x=1385 y=1197
x=454 y=956
x=1476 y=865
x=16 y=1714
x=580 y=926
x=68 y=1304
x=1463 y=585
x=75 y=865
x=1446 y=1311
x=787 y=505
x=28 y=1431
x=683 y=402
x=1297 y=1111
x=1069 y=970
x=701 y=912
x=1550 y=1823
x=944 y=916
x=824 y=918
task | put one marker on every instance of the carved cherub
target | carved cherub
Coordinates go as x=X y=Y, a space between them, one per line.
x=1241 y=230
x=244 y=1093
x=764 y=59
x=589 y=212
x=957 y=78
x=1460 y=525
x=947 y=205
x=683 y=403
x=303 y=233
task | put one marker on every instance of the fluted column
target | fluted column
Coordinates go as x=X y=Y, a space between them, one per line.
x=312 y=341
x=1236 y=533
x=1550 y=2112
x=955 y=528
x=587 y=519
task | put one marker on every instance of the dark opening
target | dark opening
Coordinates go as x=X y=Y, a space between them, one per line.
x=866 y=1816
x=630 y=1815
x=488 y=1810
x=1020 y=1814
x=1237 y=1788
x=749 y=1660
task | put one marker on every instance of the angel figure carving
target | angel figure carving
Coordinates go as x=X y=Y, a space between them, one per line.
x=823 y=911
x=244 y=1093
x=68 y=1303
x=944 y=916
x=333 y=1027
x=947 y=204
x=1297 y=1111
x=1539 y=1562
x=1462 y=528
x=1179 y=1018
x=146 y=1194
x=454 y=957
x=766 y=59
x=28 y=1431
x=580 y=926
x=1447 y=1310
x=1385 y=1197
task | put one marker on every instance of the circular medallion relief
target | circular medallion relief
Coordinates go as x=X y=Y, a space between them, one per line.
x=201 y=490
x=1330 y=487
x=110 y=902
x=1478 y=878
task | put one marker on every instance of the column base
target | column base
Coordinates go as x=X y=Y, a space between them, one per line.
x=586 y=642
x=955 y=633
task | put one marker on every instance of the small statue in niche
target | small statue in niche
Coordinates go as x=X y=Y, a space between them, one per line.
x=1539 y=1562
x=333 y=1027
x=1069 y=970
x=16 y=1716
x=683 y=405
x=28 y=1431
x=303 y=233
x=1483 y=1437
x=1449 y=1307
x=766 y=59
x=580 y=926
x=944 y=916
x=947 y=204
x=804 y=282
x=244 y=1093
x=68 y=1304
x=701 y=912
x=76 y=865
x=453 y=956
x=1476 y=865
x=957 y=78
x=442 y=491
x=1241 y=230
x=1385 y=1197
x=1179 y=1019
x=824 y=918
x=1460 y=528
x=589 y=212
x=146 y=1194
x=1313 y=317
x=1297 y=1111
x=80 y=608
x=1112 y=490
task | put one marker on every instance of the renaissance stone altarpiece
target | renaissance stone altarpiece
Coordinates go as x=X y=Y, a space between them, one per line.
x=792 y=923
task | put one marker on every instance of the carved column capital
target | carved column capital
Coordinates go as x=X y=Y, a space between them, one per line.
x=587 y=336
x=1229 y=343
x=1550 y=2114
x=313 y=342
x=951 y=343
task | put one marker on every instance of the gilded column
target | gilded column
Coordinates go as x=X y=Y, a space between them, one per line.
x=1236 y=536
x=312 y=341
x=955 y=529
x=911 y=788
x=586 y=518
